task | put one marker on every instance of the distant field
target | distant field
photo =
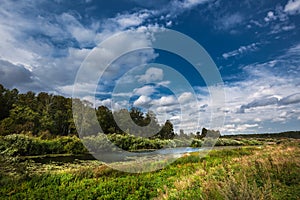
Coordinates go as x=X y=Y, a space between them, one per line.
x=287 y=134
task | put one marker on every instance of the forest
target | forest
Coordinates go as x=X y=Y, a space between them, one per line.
x=49 y=115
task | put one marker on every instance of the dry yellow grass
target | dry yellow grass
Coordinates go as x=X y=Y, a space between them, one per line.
x=236 y=178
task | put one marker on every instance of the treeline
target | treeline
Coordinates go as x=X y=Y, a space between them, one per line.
x=287 y=134
x=47 y=115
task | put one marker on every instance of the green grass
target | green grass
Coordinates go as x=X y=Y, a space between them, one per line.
x=269 y=172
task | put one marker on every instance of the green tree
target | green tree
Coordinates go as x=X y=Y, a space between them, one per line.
x=23 y=118
x=167 y=131
x=7 y=99
x=106 y=120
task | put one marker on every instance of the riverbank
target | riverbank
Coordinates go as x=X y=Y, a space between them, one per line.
x=267 y=172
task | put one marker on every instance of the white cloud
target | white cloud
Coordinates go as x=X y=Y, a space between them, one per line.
x=240 y=128
x=295 y=50
x=85 y=36
x=260 y=93
x=185 y=97
x=270 y=16
x=169 y=23
x=241 y=50
x=152 y=75
x=112 y=50
x=265 y=95
x=130 y=20
x=145 y=90
x=276 y=19
x=165 y=101
x=56 y=66
x=187 y=4
x=142 y=101
x=269 y=96
x=83 y=89
x=292 y=7
x=289 y=27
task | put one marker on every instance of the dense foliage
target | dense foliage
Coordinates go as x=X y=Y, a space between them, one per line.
x=50 y=115
x=23 y=145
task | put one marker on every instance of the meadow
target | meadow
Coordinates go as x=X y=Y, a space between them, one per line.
x=266 y=171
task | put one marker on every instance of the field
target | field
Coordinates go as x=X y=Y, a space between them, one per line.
x=268 y=171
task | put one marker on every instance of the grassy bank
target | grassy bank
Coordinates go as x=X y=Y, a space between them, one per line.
x=268 y=172
x=24 y=145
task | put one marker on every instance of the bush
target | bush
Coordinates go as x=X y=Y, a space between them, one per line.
x=22 y=145
x=19 y=144
x=196 y=143
x=75 y=146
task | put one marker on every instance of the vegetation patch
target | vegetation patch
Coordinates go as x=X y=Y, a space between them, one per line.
x=268 y=172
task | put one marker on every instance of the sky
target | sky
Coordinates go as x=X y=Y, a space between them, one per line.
x=255 y=46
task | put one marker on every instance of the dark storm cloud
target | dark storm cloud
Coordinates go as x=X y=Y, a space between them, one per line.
x=17 y=76
x=14 y=75
x=291 y=99
x=259 y=103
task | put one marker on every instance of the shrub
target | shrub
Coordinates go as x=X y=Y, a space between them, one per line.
x=19 y=144
x=23 y=145
x=75 y=146
x=196 y=143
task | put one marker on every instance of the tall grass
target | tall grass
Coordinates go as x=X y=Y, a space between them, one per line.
x=267 y=172
x=270 y=173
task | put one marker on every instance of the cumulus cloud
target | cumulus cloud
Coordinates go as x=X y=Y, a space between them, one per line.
x=145 y=90
x=240 y=128
x=292 y=7
x=185 y=97
x=142 y=101
x=85 y=36
x=270 y=16
x=131 y=20
x=152 y=75
x=165 y=101
x=54 y=44
x=246 y=126
x=267 y=95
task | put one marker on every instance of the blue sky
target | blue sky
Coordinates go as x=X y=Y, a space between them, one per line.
x=254 y=44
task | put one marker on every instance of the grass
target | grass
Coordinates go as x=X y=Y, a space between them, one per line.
x=266 y=172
